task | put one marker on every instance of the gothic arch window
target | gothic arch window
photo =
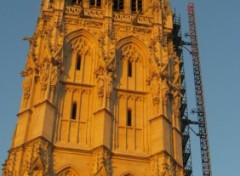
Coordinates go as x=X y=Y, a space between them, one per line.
x=136 y=5
x=78 y=62
x=95 y=3
x=74 y=111
x=118 y=5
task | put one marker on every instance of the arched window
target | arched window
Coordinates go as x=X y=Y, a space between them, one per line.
x=78 y=62
x=129 y=117
x=136 y=6
x=129 y=68
x=95 y=3
x=74 y=111
x=118 y=5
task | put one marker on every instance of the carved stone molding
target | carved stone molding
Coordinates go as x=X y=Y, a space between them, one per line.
x=102 y=162
x=164 y=165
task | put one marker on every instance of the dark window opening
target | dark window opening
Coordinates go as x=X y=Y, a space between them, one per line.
x=118 y=5
x=92 y=2
x=129 y=69
x=76 y=1
x=139 y=5
x=98 y=3
x=136 y=6
x=129 y=117
x=78 y=64
x=74 y=111
x=95 y=3
x=133 y=8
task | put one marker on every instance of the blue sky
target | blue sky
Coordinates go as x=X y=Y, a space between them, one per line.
x=219 y=40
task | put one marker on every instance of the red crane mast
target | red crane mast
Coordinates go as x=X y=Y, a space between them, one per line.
x=200 y=109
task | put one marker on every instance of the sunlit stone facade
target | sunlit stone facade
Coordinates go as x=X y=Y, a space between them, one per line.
x=101 y=92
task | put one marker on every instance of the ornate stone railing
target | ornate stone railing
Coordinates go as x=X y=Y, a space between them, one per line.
x=78 y=10
x=127 y=18
x=73 y=10
x=97 y=13
x=144 y=20
x=122 y=17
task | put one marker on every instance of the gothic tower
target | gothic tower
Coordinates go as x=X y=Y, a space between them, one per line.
x=101 y=93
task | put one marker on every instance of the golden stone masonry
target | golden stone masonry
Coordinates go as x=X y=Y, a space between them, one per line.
x=101 y=92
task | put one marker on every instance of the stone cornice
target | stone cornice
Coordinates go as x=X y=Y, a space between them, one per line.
x=67 y=83
x=20 y=147
x=161 y=116
x=131 y=91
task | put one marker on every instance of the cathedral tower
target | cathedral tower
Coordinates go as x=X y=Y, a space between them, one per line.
x=101 y=93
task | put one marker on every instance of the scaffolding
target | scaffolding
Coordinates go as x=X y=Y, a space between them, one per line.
x=185 y=129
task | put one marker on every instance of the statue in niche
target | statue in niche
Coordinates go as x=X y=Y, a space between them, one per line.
x=176 y=105
x=154 y=84
x=104 y=83
x=109 y=82
x=27 y=84
x=100 y=73
x=54 y=76
x=44 y=77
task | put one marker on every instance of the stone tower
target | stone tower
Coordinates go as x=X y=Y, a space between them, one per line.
x=101 y=92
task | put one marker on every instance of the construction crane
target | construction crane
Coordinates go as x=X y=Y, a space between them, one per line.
x=200 y=108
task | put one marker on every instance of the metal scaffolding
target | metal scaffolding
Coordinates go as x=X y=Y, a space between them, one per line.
x=200 y=109
x=186 y=144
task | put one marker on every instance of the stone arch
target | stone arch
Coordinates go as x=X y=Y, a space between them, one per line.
x=68 y=171
x=136 y=41
x=131 y=49
x=81 y=44
x=81 y=32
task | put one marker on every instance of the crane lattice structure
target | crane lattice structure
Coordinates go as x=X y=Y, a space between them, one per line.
x=200 y=109
x=185 y=128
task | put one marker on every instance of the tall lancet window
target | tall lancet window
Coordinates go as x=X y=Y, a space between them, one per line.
x=118 y=5
x=136 y=6
x=129 y=68
x=74 y=111
x=78 y=62
x=129 y=117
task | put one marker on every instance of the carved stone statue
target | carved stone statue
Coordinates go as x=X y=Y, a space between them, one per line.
x=44 y=77
x=27 y=84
